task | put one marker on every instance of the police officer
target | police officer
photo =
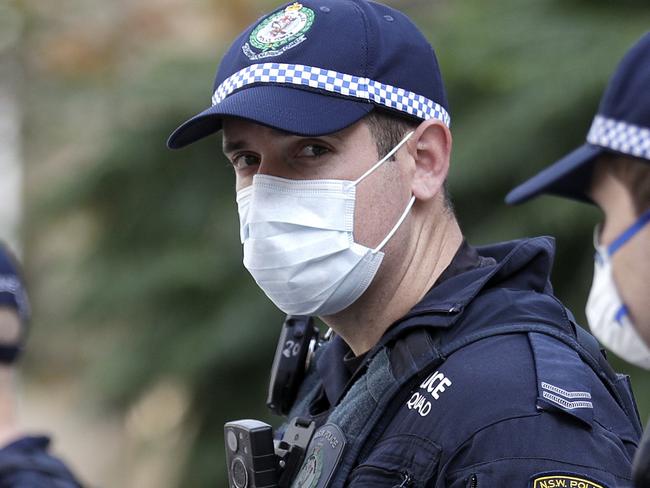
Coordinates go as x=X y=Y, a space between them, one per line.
x=612 y=171
x=24 y=460
x=451 y=365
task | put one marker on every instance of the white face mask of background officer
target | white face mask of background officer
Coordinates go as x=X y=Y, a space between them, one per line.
x=607 y=315
x=299 y=245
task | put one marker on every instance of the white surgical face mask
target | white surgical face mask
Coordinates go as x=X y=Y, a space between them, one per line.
x=607 y=315
x=299 y=244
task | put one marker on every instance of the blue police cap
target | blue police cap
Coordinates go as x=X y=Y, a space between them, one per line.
x=12 y=290
x=316 y=67
x=621 y=126
x=13 y=295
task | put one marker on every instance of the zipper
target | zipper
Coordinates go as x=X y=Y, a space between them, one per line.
x=402 y=479
x=473 y=482
x=406 y=481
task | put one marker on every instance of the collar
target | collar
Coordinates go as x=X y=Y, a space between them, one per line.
x=332 y=371
x=336 y=379
x=465 y=259
x=520 y=264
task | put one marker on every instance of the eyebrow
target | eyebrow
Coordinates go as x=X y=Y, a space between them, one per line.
x=236 y=145
x=232 y=146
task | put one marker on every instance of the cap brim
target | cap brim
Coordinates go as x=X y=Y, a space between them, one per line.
x=297 y=111
x=569 y=177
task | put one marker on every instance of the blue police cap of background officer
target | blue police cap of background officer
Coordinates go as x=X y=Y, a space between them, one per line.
x=621 y=126
x=316 y=67
x=12 y=290
x=13 y=295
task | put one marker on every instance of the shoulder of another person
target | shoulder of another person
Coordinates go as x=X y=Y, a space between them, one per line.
x=34 y=467
x=642 y=462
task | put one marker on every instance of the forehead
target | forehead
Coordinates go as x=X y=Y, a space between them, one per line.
x=9 y=324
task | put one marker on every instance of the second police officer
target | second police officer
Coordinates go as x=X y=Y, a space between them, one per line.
x=612 y=171
x=26 y=461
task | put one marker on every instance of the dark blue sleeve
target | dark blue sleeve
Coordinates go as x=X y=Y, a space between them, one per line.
x=642 y=462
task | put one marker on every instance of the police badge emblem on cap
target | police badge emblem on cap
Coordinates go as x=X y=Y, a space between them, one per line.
x=279 y=32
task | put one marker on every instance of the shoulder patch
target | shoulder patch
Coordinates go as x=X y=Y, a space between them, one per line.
x=563 y=480
x=563 y=380
x=322 y=457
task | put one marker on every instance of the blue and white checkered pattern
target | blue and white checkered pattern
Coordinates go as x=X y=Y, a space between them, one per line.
x=620 y=136
x=12 y=292
x=333 y=82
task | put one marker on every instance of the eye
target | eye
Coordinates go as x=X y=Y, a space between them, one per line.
x=313 y=151
x=243 y=161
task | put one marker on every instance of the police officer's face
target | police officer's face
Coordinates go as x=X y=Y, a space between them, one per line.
x=9 y=325
x=346 y=155
x=631 y=263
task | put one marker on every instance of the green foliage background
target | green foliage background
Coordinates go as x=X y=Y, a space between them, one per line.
x=151 y=285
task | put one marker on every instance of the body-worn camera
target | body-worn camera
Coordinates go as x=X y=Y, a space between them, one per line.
x=298 y=341
x=250 y=454
x=255 y=460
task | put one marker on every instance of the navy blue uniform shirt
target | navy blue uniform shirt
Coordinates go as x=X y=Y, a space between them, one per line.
x=336 y=380
x=516 y=410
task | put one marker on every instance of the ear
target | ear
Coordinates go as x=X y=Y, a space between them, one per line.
x=431 y=150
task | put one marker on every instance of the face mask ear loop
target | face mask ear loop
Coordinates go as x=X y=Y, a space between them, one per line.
x=630 y=232
x=394 y=229
x=384 y=159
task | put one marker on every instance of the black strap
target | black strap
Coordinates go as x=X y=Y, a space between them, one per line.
x=416 y=351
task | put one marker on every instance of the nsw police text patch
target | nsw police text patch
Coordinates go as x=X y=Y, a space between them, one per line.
x=563 y=480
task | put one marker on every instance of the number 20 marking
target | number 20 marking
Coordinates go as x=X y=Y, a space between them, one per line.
x=291 y=348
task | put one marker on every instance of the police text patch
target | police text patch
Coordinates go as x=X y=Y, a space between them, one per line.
x=563 y=480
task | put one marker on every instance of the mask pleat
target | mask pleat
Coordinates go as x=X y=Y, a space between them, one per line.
x=279 y=251
x=320 y=212
x=347 y=290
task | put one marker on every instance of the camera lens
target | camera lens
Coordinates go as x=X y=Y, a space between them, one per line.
x=239 y=473
x=232 y=441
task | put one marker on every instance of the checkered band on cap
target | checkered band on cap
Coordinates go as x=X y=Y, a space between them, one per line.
x=11 y=285
x=333 y=82
x=620 y=136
